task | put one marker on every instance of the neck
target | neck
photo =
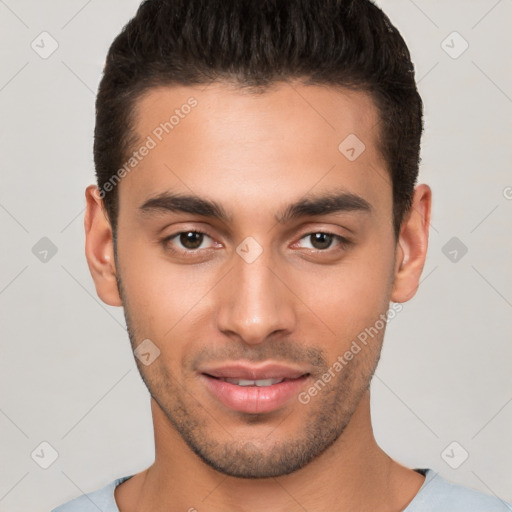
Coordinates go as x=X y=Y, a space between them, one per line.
x=352 y=474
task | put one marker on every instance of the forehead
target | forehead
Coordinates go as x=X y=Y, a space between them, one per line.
x=255 y=150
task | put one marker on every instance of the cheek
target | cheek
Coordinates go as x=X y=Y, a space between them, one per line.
x=350 y=297
x=158 y=293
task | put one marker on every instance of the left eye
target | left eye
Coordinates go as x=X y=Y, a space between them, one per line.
x=322 y=241
x=190 y=240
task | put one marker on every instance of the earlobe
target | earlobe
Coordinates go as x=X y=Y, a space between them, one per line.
x=99 y=248
x=412 y=246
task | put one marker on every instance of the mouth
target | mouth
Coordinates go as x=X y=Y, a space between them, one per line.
x=261 y=383
x=254 y=390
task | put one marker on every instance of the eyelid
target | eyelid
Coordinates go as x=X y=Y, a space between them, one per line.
x=336 y=231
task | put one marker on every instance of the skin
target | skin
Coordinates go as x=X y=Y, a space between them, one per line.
x=296 y=303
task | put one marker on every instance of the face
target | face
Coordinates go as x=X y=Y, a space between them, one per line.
x=252 y=250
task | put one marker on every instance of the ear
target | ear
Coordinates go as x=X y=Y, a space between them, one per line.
x=99 y=248
x=412 y=246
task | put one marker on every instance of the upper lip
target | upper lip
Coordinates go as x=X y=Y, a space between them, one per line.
x=251 y=372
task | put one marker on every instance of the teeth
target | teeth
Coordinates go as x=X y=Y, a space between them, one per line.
x=259 y=383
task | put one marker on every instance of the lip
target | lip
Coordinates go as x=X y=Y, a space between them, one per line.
x=254 y=399
x=252 y=372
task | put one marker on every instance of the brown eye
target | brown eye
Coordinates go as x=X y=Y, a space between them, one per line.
x=185 y=241
x=321 y=241
x=191 y=239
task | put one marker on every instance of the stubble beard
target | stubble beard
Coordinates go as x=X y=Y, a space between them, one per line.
x=325 y=418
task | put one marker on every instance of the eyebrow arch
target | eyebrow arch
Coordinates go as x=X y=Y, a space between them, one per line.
x=307 y=207
x=186 y=203
x=323 y=205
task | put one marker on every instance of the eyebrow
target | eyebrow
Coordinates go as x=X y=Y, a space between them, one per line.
x=313 y=206
x=334 y=202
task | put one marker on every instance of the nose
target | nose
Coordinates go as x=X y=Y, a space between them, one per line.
x=255 y=301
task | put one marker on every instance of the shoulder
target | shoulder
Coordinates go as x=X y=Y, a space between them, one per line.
x=101 y=499
x=440 y=495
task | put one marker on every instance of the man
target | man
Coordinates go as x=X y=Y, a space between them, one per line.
x=256 y=213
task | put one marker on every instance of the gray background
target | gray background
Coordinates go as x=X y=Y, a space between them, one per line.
x=67 y=375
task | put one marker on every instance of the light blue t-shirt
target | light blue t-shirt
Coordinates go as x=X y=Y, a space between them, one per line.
x=435 y=495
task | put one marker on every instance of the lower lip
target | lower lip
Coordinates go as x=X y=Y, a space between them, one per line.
x=254 y=399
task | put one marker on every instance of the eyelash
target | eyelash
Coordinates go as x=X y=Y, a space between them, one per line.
x=343 y=243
